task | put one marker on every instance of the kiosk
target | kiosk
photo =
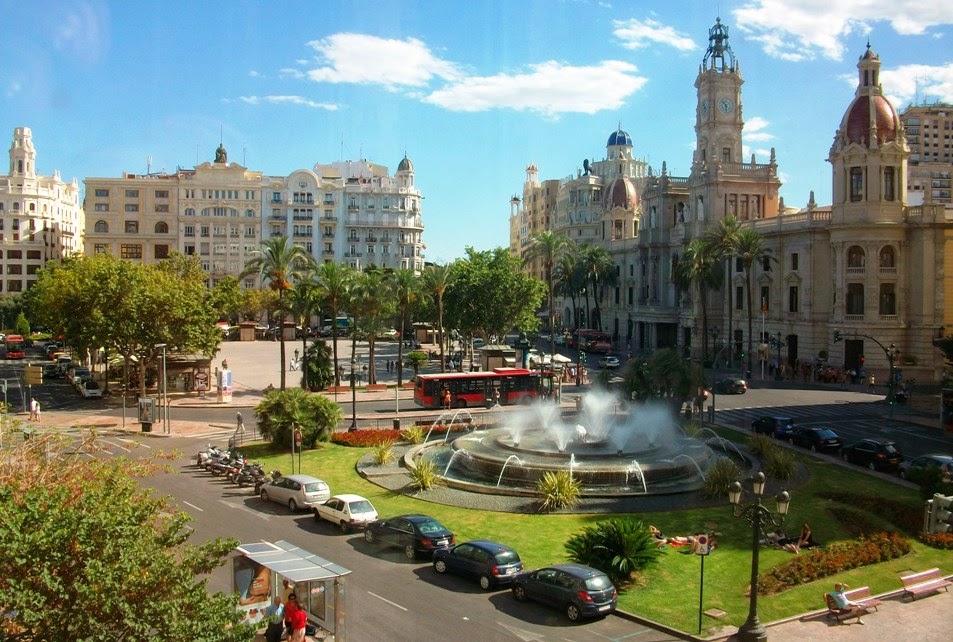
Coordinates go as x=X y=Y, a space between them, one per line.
x=259 y=567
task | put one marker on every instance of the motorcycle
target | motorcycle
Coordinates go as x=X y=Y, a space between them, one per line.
x=202 y=457
x=216 y=458
x=226 y=467
x=275 y=475
x=249 y=475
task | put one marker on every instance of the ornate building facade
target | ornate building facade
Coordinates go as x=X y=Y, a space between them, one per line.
x=869 y=264
x=40 y=217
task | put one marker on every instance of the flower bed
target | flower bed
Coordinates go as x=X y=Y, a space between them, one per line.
x=365 y=437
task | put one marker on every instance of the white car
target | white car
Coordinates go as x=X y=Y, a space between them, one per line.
x=90 y=389
x=296 y=491
x=609 y=362
x=347 y=511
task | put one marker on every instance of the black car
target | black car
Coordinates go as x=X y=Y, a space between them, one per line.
x=875 y=454
x=816 y=439
x=731 y=386
x=779 y=427
x=412 y=533
x=579 y=591
x=491 y=563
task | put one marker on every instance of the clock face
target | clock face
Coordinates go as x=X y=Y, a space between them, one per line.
x=705 y=106
x=726 y=105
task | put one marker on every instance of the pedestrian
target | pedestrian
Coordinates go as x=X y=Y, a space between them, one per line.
x=296 y=620
x=871 y=383
x=287 y=588
x=33 y=409
x=274 y=615
x=37 y=418
x=241 y=423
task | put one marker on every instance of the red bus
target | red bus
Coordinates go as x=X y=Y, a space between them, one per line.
x=592 y=340
x=14 y=346
x=515 y=386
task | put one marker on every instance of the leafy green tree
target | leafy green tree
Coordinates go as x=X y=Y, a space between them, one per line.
x=618 y=547
x=596 y=263
x=415 y=359
x=724 y=239
x=700 y=269
x=227 y=298
x=548 y=247
x=281 y=411
x=22 y=326
x=319 y=366
x=334 y=288
x=303 y=303
x=751 y=250
x=570 y=280
x=372 y=302
x=437 y=278
x=664 y=376
x=90 y=554
x=406 y=287
x=279 y=262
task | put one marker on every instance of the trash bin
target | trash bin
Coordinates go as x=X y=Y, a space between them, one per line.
x=396 y=423
x=146 y=427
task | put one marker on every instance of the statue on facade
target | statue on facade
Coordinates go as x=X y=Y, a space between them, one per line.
x=221 y=156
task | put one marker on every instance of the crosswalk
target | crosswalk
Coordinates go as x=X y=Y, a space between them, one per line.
x=806 y=415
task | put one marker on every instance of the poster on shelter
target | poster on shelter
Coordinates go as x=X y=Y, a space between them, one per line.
x=252 y=582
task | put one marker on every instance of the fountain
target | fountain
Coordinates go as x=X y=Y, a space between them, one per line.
x=599 y=446
x=453 y=417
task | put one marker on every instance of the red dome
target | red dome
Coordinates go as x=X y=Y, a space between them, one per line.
x=621 y=193
x=858 y=120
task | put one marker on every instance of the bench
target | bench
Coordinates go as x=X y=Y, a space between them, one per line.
x=860 y=596
x=924 y=582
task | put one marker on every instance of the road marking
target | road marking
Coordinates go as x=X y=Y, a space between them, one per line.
x=136 y=442
x=256 y=513
x=522 y=634
x=384 y=599
x=201 y=510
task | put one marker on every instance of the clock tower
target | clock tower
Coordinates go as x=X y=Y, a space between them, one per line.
x=718 y=122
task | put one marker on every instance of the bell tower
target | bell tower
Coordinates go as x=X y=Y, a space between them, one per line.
x=718 y=119
x=22 y=154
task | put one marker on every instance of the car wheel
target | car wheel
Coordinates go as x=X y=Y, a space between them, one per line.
x=292 y=505
x=572 y=612
x=410 y=552
x=485 y=583
x=264 y=495
x=345 y=527
x=871 y=466
x=369 y=536
x=440 y=566
x=519 y=593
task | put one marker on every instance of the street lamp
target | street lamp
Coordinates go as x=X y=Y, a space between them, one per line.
x=778 y=342
x=757 y=514
x=892 y=354
x=353 y=426
x=165 y=390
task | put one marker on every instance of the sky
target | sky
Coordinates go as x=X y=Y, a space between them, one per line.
x=471 y=92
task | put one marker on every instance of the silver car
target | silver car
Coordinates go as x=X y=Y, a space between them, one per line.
x=296 y=491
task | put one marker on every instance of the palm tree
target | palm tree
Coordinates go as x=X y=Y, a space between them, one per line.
x=724 y=241
x=302 y=304
x=548 y=247
x=699 y=268
x=437 y=278
x=280 y=262
x=406 y=287
x=334 y=285
x=751 y=249
x=371 y=303
x=597 y=264
x=570 y=280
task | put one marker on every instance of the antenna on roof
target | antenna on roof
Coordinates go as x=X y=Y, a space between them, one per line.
x=148 y=164
x=244 y=154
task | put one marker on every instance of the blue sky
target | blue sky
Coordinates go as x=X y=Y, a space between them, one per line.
x=472 y=92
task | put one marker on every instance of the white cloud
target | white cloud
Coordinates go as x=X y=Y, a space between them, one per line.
x=254 y=74
x=287 y=100
x=803 y=29
x=548 y=88
x=82 y=31
x=290 y=72
x=636 y=34
x=754 y=130
x=362 y=59
x=917 y=83
x=13 y=88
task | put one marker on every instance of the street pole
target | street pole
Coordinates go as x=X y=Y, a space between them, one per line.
x=353 y=426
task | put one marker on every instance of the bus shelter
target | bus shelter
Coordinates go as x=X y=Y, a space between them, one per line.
x=259 y=567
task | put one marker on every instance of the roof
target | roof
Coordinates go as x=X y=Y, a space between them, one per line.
x=349 y=497
x=297 y=564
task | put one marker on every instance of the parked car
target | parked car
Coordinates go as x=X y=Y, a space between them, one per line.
x=731 y=386
x=816 y=439
x=778 y=427
x=90 y=388
x=579 y=591
x=875 y=454
x=413 y=533
x=478 y=343
x=76 y=376
x=50 y=371
x=347 y=511
x=296 y=491
x=609 y=362
x=490 y=563
x=912 y=467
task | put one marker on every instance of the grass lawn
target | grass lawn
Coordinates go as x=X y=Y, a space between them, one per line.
x=666 y=592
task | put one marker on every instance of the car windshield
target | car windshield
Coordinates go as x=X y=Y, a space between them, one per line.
x=826 y=434
x=430 y=527
x=362 y=506
x=506 y=557
x=598 y=583
x=891 y=449
x=314 y=487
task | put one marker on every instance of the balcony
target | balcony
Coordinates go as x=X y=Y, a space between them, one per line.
x=328 y=252
x=888 y=271
x=328 y=201
x=303 y=217
x=856 y=271
x=853 y=317
x=278 y=217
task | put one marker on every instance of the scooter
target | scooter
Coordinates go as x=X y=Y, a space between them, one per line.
x=267 y=479
x=249 y=475
x=225 y=467
x=204 y=455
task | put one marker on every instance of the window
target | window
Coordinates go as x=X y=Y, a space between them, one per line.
x=132 y=193
x=101 y=248
x=101 y=207
x=795 y=257
x=726 y=154
x=14 y=268
x=889 y=187
x=249 y=213
x=14 y=254
x=132 y=227
x=856 y=258
x=131 y=207
x=190 y=211
x=162 y=207
x=887 y=257
x=101 y=227
x=765 y=297
x=793 y=299
x=189 y=230
x=102 y=193
x=739 y=297
x=162 y=227
x=204 y=231
x=161 y=251
x=766 y=263
x=888 y=299
x=127 y=251
x=162 y=193
x=855 y=298
x=739 y=264
x=33 y=255
x=856 y=183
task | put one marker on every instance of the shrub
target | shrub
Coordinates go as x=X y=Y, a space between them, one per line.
x=557 y=490
x=719 y=476
x=617 y=547
x=413 y=435
x=423 y=476
x=365 y=437
x=383 y=453
x=942 y=541
x=778 y=463
x=817 y=564
x=761 y=445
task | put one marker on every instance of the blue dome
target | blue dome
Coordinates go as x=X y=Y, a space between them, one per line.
x=619 y=137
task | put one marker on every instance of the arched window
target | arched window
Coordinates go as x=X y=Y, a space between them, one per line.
x=162 y=227
x=888 y=257
x=856 y=257
x=249 y=213
x=190 y=211
x=101 y=227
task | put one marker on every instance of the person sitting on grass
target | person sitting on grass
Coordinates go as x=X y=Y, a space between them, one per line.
x=845 y=605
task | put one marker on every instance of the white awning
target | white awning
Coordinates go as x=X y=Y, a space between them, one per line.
x=297 y=564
